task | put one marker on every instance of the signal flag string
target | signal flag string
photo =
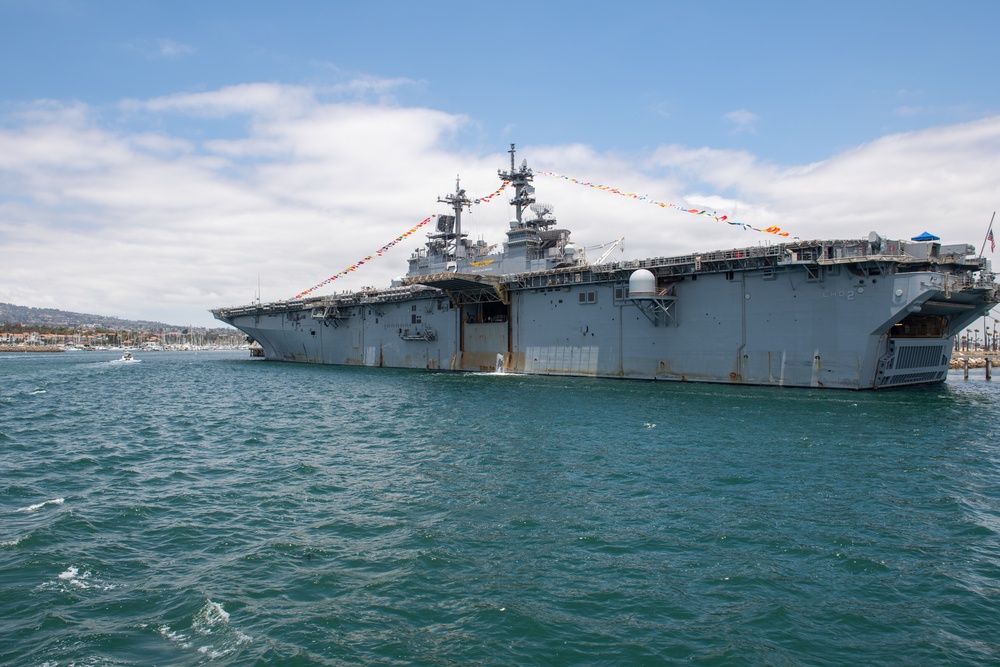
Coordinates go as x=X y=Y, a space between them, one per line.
x=360 y=262
x=646 y=198
x=384 y=249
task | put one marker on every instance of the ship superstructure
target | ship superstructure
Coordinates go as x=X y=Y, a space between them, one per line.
x=857 y=314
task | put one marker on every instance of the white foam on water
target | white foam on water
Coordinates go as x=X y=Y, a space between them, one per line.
x=12 y=543
x=213 y=620
x=73 y=577
x=38 y=391
x=211 y=633
x=177 y=637
x=211 y=614
x=38 y=506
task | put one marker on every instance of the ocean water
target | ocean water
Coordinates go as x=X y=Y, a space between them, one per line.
x=210 y=509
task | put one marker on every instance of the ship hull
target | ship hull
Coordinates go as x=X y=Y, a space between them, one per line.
x=791 y=327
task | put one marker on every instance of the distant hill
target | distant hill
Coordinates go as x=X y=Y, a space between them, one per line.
x=51 y=317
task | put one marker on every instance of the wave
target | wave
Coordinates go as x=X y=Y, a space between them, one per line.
x=73 y=579
x=38 y=506
x=210 y=621
x=12 y=543
x=83 y=580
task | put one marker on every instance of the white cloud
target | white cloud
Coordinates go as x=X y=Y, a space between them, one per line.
x=161 y=49
x=743 y=121
x=145 y=223
x=168 y=48
x=365 y=87
x=267 y=99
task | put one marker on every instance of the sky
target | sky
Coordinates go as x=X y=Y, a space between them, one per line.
x=159 y=159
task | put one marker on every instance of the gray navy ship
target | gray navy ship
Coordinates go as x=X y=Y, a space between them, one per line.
x=854 y=314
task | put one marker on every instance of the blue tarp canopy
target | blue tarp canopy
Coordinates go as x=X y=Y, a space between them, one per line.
x=926 y=236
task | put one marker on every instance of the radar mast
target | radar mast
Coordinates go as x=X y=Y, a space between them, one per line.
x=521 y=179
x=450 y=227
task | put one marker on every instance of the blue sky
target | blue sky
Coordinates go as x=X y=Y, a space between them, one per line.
x=184 y=149
x=790 y=81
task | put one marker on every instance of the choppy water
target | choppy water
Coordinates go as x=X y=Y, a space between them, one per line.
x=210 y=509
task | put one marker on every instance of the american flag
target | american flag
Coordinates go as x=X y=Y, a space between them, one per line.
x=989 y=237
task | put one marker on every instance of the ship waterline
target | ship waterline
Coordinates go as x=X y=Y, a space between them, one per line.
x=854 y=314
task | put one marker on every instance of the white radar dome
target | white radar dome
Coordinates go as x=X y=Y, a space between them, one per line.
x=642 y=283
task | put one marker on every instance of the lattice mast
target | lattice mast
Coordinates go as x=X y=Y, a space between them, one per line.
x=450 y=227
x=521 y=179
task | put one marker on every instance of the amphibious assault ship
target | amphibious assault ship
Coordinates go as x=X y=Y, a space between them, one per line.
x=855 y=314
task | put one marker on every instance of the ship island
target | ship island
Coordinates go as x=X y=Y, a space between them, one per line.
x=871 y=313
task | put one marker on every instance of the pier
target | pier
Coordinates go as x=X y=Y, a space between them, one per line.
x=975 y=359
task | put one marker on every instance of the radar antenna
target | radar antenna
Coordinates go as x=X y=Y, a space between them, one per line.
x=544 y=216
x=542 y=210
